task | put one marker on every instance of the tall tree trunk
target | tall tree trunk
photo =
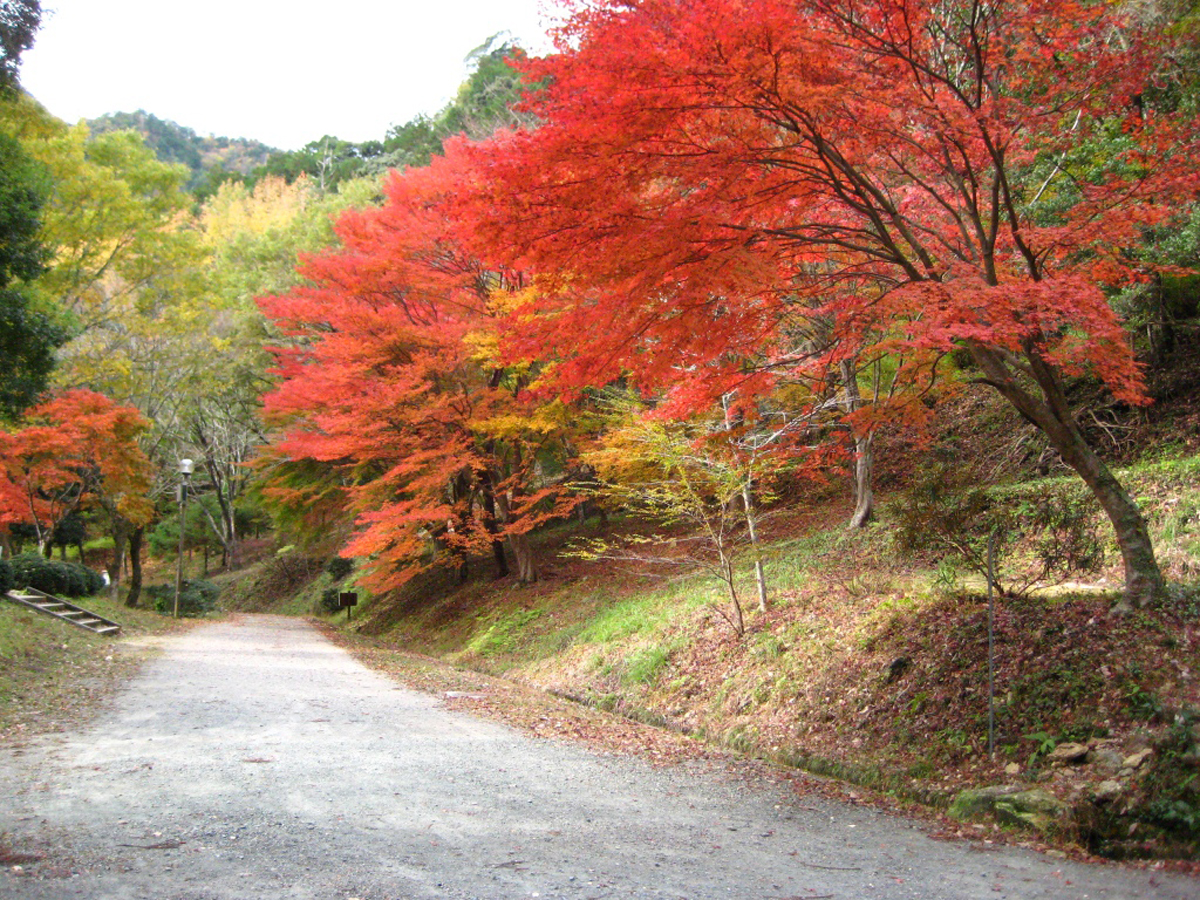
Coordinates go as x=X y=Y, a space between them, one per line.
x=232 y=554
x=1051 y=413
x=521 y=546
x=226 y=529
x=864 y=451
x=489 y=507
x=500 y=558
x=135 y=566
x=1144 y=582
x=120 y=534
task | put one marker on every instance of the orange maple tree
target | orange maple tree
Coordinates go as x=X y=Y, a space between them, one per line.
x=78 y=450
x=389 y=392
x=919 y=176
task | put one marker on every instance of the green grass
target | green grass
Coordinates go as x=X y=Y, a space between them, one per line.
x=645 y=613
x=501 y=633
x=23 y=634
x=644 y=666
x=789 y=563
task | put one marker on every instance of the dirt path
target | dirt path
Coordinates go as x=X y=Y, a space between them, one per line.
x=254 y=759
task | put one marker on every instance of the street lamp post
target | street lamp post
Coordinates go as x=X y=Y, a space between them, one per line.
x=185 y=474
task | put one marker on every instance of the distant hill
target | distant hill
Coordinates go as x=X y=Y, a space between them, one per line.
x=487 y=100
x=206 y=157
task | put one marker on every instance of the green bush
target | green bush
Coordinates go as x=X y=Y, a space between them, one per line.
x=339 y=567
x=1171 y=788
x=1039 y=532
x=52 y=576
x=197 y=597
x=6 y=581
x=331 y=600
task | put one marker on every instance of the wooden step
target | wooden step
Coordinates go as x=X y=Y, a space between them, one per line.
x=63 y=610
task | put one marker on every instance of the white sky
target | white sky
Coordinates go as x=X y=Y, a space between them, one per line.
x=284 y=72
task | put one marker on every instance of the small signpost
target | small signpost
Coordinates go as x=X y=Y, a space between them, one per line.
x=348 y=599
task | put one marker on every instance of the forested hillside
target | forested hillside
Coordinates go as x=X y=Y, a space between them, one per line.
x=709 y=287
x=484 y=103
x=209 y=159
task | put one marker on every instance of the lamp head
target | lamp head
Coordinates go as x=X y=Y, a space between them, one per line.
x=185 y=467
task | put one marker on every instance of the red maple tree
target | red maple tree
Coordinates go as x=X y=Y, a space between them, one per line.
x=79 y=449
x=389 y=388
x=918 y=176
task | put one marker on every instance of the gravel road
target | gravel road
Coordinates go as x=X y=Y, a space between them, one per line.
x=254 y=759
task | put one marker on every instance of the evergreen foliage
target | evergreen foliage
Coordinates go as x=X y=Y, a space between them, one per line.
x=19 y=22
x=69 y=531
x=27 y=342
x=28 y=337
x=197 y=597
x=209 y=160
x=52 y=576
x=23 y=189
x=331 y=600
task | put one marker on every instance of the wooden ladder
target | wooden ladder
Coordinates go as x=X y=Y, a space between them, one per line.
x=64 y=610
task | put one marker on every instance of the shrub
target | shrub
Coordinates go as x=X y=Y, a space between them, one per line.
x=1042 y=532
x=339 y=567
x=331 y=600
x=1171 y=789
x=94 y=581
x=197 y=597
x=54 y=576
x=6 y=581
x=286 y=574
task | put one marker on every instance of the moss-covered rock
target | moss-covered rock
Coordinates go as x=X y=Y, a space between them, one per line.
x=1014 y=805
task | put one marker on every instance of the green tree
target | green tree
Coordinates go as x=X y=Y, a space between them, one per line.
x=489 y=99
x=23 y=189
x=254 y=238
x=209 y=160
x=163 y=539
x=27 y=342
x=19 y=22
x=125 y=278
x=27 y=337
